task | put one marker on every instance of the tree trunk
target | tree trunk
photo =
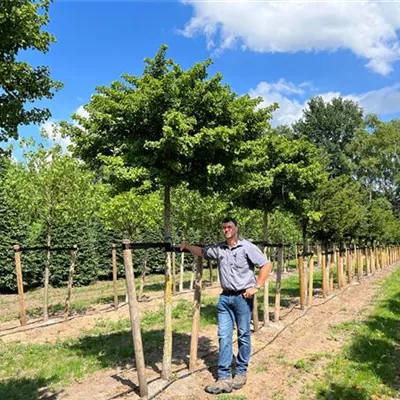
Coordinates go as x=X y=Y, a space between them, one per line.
x=167 y=355
x=304 y=235
x=181 y=271
x=142 y=278
x=192 y=275
x=46 y=279
x=266 y=285
x=265 y=225
x=70 y=283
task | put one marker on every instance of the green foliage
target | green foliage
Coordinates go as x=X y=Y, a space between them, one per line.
x=55 y=197
x=376 y=159
x=342 y=205
x=278 y=172
x=11 y=232
x=131 y=212
x=166 y=127
x=21 y=24
x=197 y=217
x=331 y=126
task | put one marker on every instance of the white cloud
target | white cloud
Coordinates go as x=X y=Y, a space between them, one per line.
x=82 y=112
x=54 y=136
x=368 y=29
x=382 y=101
x=292 y=101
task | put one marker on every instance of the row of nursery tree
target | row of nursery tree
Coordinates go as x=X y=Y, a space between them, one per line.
x=168 y=153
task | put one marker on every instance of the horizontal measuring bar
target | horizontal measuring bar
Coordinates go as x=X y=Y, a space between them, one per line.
x=154 y=245
x=266 y=244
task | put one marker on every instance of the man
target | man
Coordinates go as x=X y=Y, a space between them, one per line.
x=236 y=259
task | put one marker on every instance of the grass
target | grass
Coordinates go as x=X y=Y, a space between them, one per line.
x=369 y=365
x=83 y=297
x=28 y=367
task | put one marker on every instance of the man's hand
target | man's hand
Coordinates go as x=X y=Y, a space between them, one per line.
x=196 y=250
x=250 y=292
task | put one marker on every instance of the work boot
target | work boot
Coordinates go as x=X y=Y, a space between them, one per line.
x=239 y=381
x=221 y=386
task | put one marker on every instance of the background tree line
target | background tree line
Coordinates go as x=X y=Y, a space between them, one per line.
x=170 y=152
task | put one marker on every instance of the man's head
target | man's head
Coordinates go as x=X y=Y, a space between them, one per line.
x=230 y=228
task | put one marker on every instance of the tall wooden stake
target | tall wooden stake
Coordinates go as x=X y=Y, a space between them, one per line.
x=278 y=285
x=194 y=340
x=310 y=279
x=301 y=279
x=20 y=284
x=181 y=271
x=256 y=324
x=135 y=319
x=324 y=281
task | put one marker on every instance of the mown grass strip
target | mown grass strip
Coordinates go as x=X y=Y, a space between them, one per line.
x=369 y=365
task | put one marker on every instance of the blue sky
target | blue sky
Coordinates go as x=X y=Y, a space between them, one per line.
x=283 y=51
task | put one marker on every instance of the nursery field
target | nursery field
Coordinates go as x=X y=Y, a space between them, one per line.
x=343 y=346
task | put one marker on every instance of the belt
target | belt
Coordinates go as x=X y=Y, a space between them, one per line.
x=233 y=292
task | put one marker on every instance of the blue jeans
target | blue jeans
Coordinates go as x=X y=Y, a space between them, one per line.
x=233 y=309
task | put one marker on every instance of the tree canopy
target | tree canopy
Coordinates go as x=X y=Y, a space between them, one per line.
x=21 y=24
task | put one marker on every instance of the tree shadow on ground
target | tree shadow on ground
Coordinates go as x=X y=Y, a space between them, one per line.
x=381 y=355
x=116 y=349
x=338 y=392
x=373 y=353
x=26 y=389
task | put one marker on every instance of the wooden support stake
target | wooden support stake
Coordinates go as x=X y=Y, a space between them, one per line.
x=278 y=285
x=338 y=271
x=324 y=280
x=173 y=273
x=135 y=320
x=310 y=279
x=70 y=282
x=359 y=265
x=266 y=303
x=181 y=271
x=20 y=284
x=209 y=266
x=114 y=269
x=256 y=324
x=301 y=280
x=194 y=341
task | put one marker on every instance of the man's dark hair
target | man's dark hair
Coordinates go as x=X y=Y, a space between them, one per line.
x=230 y=219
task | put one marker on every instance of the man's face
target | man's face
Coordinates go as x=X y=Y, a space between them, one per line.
x=229 y=229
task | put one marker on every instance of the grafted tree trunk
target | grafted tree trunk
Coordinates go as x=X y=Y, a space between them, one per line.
x=46 y=278
x=167 y=355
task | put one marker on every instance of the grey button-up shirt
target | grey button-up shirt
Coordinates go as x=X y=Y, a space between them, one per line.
x=236 y=264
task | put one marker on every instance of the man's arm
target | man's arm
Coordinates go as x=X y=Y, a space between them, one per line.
x=196 y=250
x=262 y=277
